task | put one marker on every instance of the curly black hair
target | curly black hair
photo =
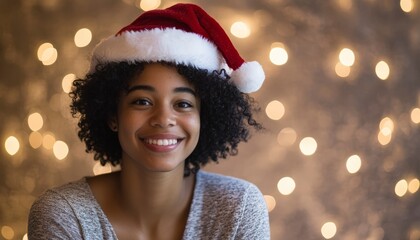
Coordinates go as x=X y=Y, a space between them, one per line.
x=226 y=114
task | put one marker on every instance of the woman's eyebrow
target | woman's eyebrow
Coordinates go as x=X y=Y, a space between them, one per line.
x=185 y=90
x=140 y=87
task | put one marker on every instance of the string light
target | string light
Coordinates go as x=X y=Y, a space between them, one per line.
x=286 y=185
x=35 y=121
x=60 y=150
x=328 y=230
x=382 y=70
x=347 y=57
x=342 y=70
x=308 y=146
x=67 y=82
x=270 y=201
x=47 y=54
x=240 y=29
x=415 y=115
x=275 y=110
x=286 y=137
x=278 y=54
x=353 y=164
x=407 y=5
x=147 y=5
x=82 y=37
x=401 y=188
x=413 y=185
x=12 y=145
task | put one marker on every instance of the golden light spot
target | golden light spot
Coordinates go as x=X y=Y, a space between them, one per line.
x=47 y=54
x=413 y=185
x=328 y=230
x=342 y=70
x=386 y=126
x=286 y=185
x=346 y=57
x=407 y=5
x=401 y=188
x=308 y=146
x=384 y=139
x=35 y=121
x=82 y=37
x=35 y=140
x=48 y=140
x=240 y=29
x=98 y=169
x=41 y=50
x=353 y=164
x=275 y=110
x=278 y=54
x=12 y=145
x=25 y=237
x=286 y=137
x=415 y=115
x=67 y=82
x=7 y=232
x=382 y=70
x=270 y=201
x=147 y=5
x=60 y=150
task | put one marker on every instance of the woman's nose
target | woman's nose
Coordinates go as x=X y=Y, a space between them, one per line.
x=162 y=117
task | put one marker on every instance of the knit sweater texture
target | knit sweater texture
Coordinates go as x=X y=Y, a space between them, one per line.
x=222 y=208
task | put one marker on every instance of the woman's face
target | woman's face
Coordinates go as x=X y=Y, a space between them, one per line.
x=158 y=119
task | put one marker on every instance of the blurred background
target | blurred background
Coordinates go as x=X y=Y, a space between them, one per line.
x=340 y=155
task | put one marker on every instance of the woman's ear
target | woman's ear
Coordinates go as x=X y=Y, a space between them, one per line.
x=113 y=124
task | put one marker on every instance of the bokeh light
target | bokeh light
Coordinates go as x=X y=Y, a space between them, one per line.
x=353 y=164
x=35 y=140
x=308 y=146
x=413 y=185
x=240 y=29
x=147 y=5
x=342 y=70
x=286 y=185
x=7 y=232
x=386 y=126
x=35 y=121
x=415 y=115
x=275 y=110
x=347 y=57
x=286 y=137
x=328 y=230
x=401 y=188
x=278 y=54
x=67 y=82
x=407 y=5
x=82 y=37
x=270 y=201
x=382 y=70
x=12 y=145
x=47 y=54
x=48 y=140
x=60 y=150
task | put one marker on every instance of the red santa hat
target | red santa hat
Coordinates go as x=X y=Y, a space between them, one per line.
x=183 y=34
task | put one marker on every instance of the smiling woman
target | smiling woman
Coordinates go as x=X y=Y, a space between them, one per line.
x=161 y=118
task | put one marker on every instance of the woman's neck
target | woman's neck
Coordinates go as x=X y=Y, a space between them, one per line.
x=153 y=197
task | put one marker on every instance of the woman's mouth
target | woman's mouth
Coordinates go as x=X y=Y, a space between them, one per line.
x=161 y=142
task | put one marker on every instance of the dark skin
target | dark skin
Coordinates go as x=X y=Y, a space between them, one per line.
x=158 y=125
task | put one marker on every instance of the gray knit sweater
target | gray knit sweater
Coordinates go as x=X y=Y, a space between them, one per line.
x=222 y=208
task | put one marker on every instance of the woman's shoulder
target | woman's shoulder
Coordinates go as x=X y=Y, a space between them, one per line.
x=220 y=182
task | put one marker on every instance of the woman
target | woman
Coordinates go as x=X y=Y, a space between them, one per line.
x=163 y=97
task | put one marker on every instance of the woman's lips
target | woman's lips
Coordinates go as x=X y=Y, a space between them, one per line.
x=162 y=143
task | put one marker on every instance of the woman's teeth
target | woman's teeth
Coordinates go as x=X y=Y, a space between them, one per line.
x=161 y=142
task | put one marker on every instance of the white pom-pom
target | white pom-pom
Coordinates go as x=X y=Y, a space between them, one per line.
x=249 y=77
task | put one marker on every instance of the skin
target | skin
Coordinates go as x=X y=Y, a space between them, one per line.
x=150 y=197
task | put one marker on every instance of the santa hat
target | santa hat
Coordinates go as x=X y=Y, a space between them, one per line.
x=182 y=34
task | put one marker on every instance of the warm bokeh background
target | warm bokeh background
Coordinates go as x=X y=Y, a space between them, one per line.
x=341 y=105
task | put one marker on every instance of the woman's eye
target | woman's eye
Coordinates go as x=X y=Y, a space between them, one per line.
x=142 y=102
x=184 y=105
